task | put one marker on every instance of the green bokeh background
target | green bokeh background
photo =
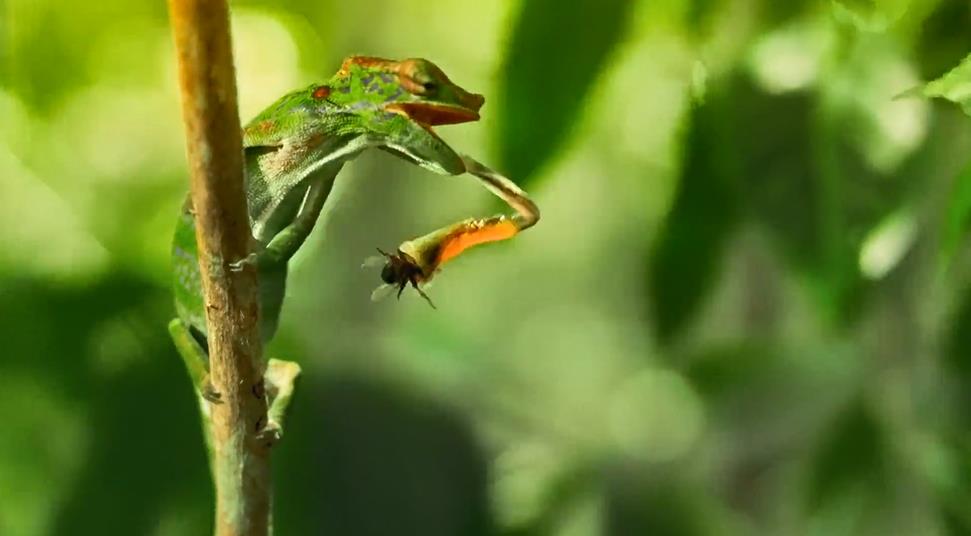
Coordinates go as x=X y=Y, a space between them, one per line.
x=746 y=310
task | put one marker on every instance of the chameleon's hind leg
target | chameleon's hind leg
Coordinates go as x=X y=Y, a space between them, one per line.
x=195 y=359
x=280 y=378
x=288 y=240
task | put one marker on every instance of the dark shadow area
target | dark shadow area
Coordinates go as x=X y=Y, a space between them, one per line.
x=658 y=505
x=143 y=456
x=375 y=460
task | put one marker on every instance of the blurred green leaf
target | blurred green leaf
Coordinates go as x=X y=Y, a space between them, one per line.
x=37 y=468
x=564 y=492
x=869 y=15
x=688 y=253
x=47 y=49
x=778 y=177
x=551 y=64
x=953 y=497
x=954 y=86
x=957 y=222
x=721 y=372
x=660 y=505
x=809 y=184
x=789 y=163
x=369 y=458
x=703 y=16
x=944 y=38
x=101 y=348
x=776 y=13
x=808 y=158
x=768 y=158
x=699 y=13
x=958 y=347
x=852 y=453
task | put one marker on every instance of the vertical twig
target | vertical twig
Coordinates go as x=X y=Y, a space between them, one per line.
x=214 y=150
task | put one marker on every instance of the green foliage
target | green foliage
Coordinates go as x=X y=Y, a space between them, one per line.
x=957 y=217
x=954 y=86
x=686 y=258
x=959 y=339
x=664 y=506
x=851 y=454
x=944 y=38
x=799 y=241
x=549 y=71
x=870 y=15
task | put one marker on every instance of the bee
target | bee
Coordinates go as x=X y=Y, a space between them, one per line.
x=398 y=270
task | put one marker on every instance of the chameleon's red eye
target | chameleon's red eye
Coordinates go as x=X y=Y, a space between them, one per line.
x=321 y=92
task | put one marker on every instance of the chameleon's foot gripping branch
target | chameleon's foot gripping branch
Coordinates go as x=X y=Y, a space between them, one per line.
x=279 y=380
x=281 y=377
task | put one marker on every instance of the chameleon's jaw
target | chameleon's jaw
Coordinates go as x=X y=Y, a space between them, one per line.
x=432 y=115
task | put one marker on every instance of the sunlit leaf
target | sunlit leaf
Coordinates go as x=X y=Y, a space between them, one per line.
x=886 y=244
x=954 y=86
x=790 y=57
x=551 y=64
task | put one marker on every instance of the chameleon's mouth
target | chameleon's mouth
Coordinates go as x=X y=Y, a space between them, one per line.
x=433 y=115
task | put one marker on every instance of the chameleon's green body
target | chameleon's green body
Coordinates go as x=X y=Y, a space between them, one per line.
x=294 y=150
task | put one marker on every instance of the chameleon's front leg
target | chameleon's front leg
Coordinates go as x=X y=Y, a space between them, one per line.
x=288 y=240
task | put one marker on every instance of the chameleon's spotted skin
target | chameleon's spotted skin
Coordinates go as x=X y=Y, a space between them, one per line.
x=294 y=149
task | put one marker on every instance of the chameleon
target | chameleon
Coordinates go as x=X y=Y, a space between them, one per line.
x=293 y=152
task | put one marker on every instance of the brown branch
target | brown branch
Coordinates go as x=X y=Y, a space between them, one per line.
x=214 y=150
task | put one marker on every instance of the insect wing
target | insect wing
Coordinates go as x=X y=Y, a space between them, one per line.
x=383 y=292
x=374 y=261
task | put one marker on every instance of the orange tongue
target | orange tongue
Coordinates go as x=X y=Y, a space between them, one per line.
x=465 y=238
x=433 y=114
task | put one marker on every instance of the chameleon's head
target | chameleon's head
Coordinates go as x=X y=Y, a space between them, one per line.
x=414 y=88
